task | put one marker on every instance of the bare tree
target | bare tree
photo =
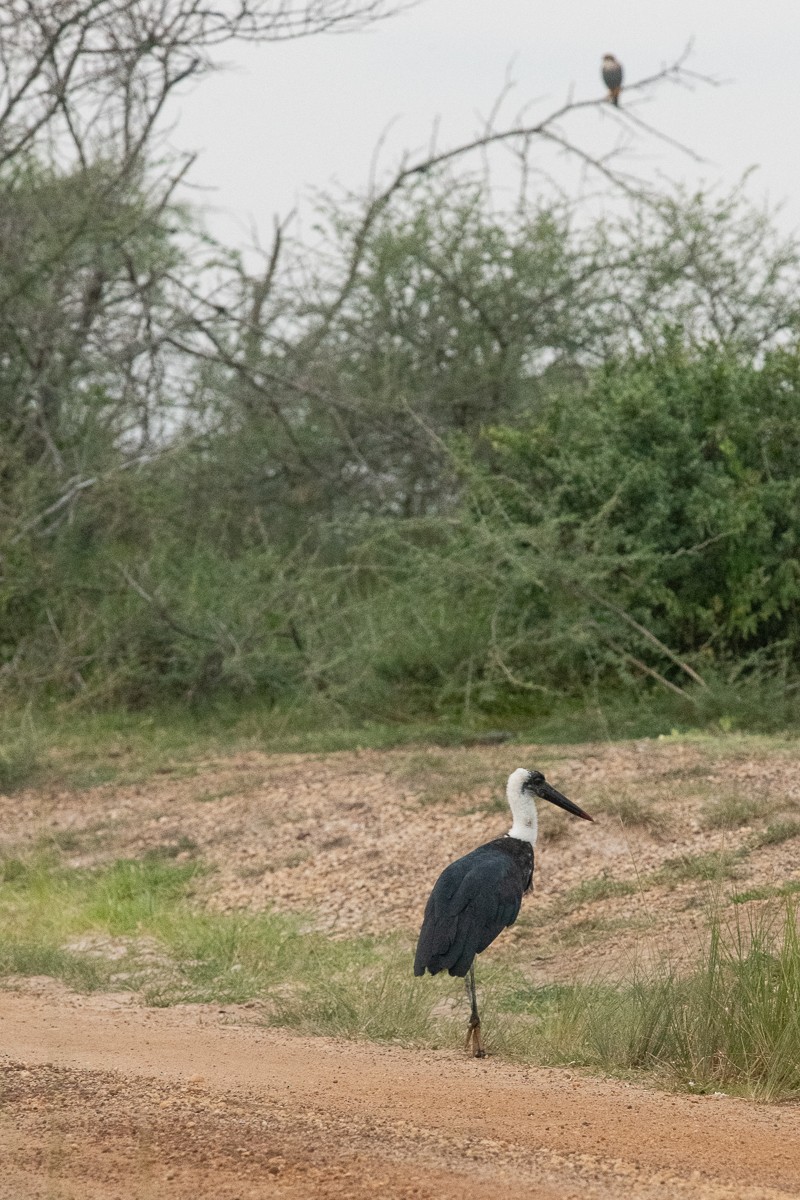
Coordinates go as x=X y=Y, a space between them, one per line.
x=102 y=318
x=280 y=378
x=88 y=217
x=86 y=71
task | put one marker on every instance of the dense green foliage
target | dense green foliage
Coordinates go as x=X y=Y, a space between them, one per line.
x=677 y=487
x=512 y=461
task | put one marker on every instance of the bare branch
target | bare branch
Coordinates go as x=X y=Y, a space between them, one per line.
x=641 y=666
x=160 y=609
x=547 y=129
x=74 y=489
x=646 y=633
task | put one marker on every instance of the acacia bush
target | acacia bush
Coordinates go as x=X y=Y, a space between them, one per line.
x=524 y=460
x=679 y=473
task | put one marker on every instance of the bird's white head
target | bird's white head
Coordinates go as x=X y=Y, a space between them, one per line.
x=523 y=805
x=522 y=788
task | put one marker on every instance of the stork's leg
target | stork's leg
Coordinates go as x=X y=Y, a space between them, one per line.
x=474 y=1028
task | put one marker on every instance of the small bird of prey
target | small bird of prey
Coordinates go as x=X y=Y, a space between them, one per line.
x=612 y=77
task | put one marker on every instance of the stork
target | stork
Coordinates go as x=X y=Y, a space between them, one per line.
x=479 y=895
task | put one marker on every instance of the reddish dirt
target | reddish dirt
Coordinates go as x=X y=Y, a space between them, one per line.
x=103 y=1100
x=100 y=1102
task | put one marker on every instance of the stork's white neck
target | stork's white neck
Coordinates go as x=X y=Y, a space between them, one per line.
x=523 y=808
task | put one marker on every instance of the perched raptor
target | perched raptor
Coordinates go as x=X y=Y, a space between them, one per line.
x=612 y=77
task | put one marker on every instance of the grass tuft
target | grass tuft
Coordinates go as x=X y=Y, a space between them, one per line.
x=731 y=812
x=776 y=832
x=386 y=1004
x=633 y=811
x=766 y=892
x=81 y=972
x=602 y=887
x=730 y=1024
x=704 y=868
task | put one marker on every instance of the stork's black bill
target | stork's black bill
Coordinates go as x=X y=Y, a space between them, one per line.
x=540 y=787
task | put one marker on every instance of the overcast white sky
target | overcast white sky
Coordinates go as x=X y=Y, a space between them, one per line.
x=290 y=117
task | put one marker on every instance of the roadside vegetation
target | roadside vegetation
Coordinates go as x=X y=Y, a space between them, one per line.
x=727 y=1022
x=82 y=746
x=132 y=927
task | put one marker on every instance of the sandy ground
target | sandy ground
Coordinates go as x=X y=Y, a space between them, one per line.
x=356 y=840
x=100 y=1101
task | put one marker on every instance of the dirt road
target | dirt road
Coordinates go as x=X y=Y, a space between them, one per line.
x=103 y=1099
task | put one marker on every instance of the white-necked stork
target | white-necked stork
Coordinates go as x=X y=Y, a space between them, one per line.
x=479 y=895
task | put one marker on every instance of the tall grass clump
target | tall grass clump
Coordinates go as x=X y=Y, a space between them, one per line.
x=382 y=1004
x=730 y=1024
x=21 y=753
x=131 y=925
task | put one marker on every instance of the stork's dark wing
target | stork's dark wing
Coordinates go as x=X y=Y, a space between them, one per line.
x=473 y=900
x=612 y=77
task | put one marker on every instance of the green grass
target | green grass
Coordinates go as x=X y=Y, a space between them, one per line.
x=45 y=900
x=75 y=747
x=731 y=1022
x=702 y=868
x=776 y=832
x=731 y=811
x=81 y=972
x=767 y=891
x=602 y=887
x=84 y=749
x=118 y=914
x=686 y=868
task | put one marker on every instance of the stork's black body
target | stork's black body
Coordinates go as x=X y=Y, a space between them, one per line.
x=479 y=895
x=473 y=900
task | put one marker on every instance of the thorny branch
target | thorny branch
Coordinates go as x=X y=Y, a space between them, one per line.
x=160 y=609
x=647 y=634
x=547 y=129
x=100 y=72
